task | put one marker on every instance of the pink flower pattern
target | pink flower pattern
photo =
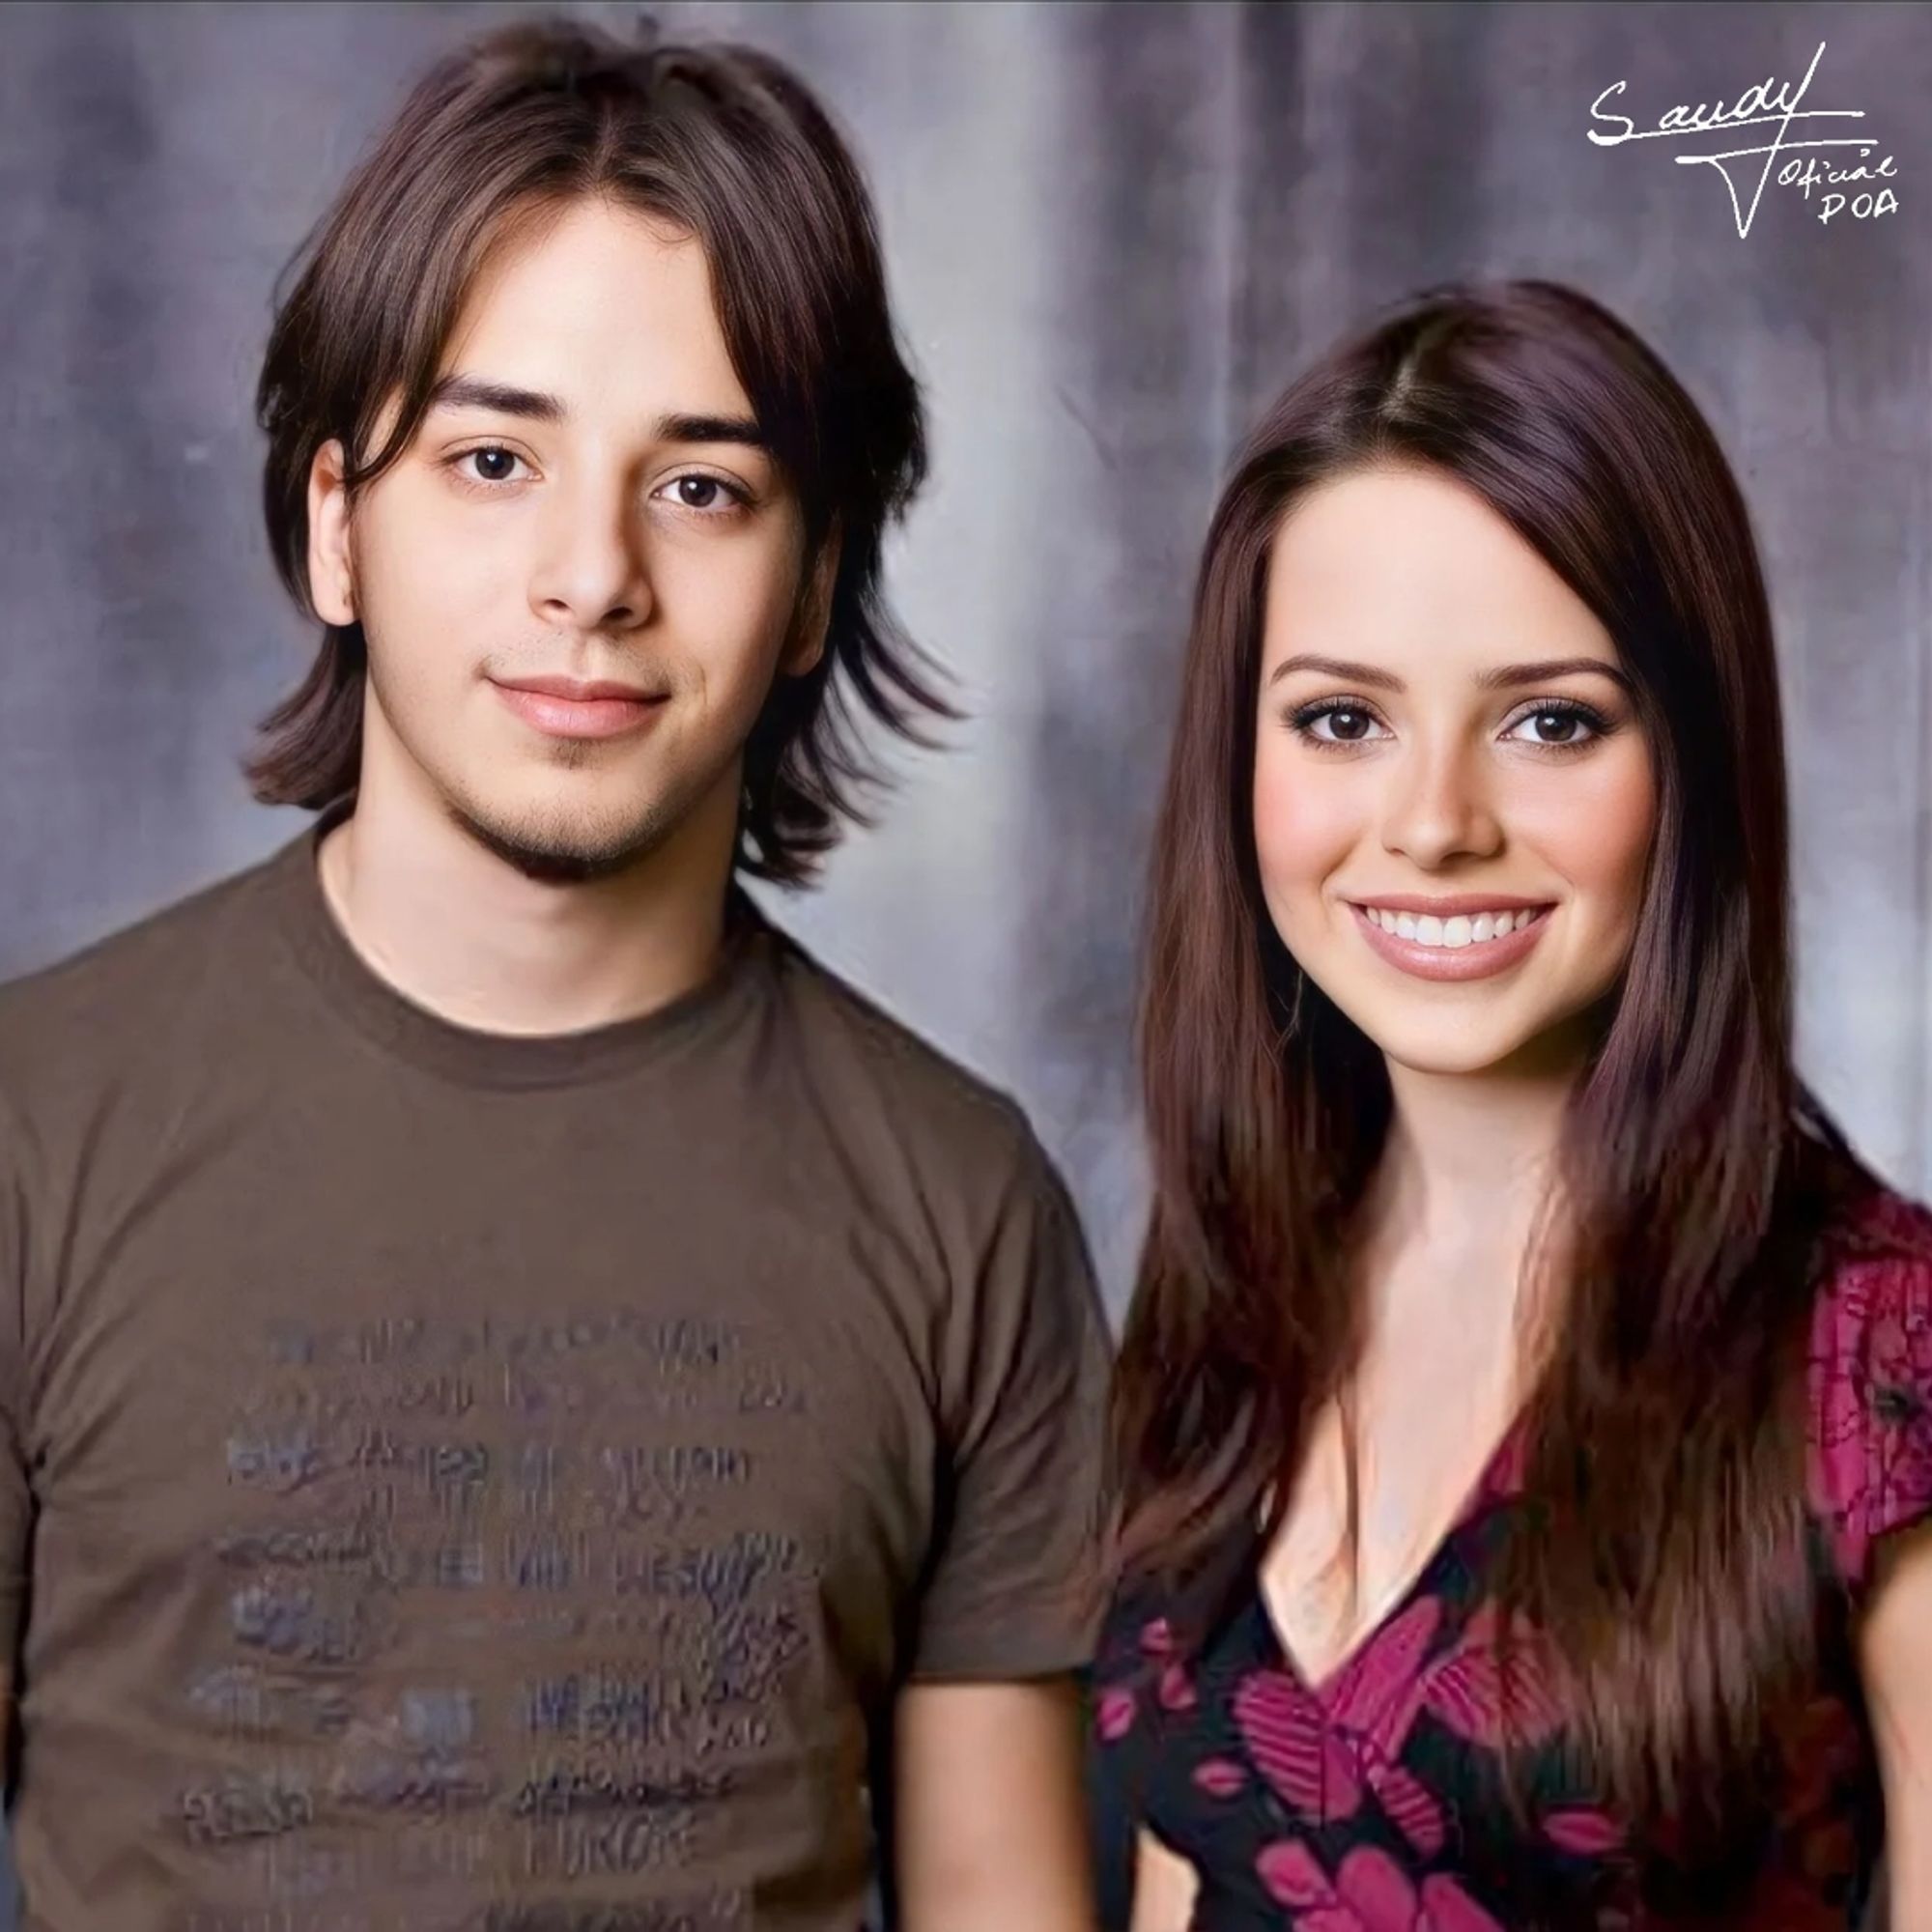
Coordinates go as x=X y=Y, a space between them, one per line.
x=1369 y=1892
x=1344 y=1806
x=1871 y=1404
x=1220 y=1777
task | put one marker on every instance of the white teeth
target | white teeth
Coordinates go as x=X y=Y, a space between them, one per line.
x=1461 y=931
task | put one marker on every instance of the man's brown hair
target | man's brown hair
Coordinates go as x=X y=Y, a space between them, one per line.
x=725 y=144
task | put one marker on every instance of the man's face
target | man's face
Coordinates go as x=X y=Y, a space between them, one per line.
x=579 y=582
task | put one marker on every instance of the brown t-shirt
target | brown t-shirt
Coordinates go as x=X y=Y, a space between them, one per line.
x=465 y=1483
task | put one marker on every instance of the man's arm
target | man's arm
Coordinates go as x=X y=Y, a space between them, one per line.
x=991 y=1828
x=989 y=1825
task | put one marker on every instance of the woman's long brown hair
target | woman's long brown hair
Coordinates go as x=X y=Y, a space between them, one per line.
x=1663 y=1543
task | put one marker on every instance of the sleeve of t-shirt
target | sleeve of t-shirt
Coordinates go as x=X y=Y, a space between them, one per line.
x=15 y=1502
x=1011 y=1586
x=1872 y=1399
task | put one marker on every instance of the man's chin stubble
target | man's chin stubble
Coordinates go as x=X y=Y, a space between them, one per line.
x=558 y=856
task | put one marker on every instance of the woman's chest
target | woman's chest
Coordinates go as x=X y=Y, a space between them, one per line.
x=1384 y=1484
x=1432 y=1780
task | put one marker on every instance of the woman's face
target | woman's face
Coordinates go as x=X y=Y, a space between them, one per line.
x=1454 y=804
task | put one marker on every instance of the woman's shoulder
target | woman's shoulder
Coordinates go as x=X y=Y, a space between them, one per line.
x=1138 y=1633
x=1157 y=1634
x=1870 y=1379
x=1875 y=1278
x=1137 y=1640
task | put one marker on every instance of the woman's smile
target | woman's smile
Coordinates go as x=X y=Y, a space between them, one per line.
x=1453 y=944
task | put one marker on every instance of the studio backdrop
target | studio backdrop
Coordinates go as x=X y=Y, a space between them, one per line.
x=1113 y=233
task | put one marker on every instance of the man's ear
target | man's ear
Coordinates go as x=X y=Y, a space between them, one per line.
x=331 y=584
x=814 y=615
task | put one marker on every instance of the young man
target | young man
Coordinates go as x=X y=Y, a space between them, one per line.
x=531 y=1405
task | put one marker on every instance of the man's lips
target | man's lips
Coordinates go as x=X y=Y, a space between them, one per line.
x=567 y=707
x=582 y=690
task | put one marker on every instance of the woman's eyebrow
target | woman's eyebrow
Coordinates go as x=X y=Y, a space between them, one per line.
x=1506 y=677
x=1500 y=677
x=1349 y=674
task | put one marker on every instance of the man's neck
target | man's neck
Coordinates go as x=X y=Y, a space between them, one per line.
x=463 y=935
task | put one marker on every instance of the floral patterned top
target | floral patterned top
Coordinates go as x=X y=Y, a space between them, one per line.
x=1368 y=1801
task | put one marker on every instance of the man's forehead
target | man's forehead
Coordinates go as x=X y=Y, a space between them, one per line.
x=591 y=264
x=594 y=295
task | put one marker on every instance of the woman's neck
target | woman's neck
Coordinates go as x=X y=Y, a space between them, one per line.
x=1466 y=1174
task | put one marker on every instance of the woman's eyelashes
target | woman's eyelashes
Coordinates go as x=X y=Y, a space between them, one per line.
x=489 y=468
x=1348 y=722
x=1557 y=725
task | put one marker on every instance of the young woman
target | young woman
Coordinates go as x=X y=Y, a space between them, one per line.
x=1526 y=1405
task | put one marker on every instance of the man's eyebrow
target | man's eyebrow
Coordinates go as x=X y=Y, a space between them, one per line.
x=712 y=429
x=503 y=399
x=507 y=399
x=1502 y=677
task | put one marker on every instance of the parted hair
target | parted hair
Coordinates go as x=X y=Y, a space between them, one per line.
x=726 y=144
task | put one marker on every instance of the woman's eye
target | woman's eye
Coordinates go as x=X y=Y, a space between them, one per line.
x=702 y=492
x=1336 y=723
x=1555 y=726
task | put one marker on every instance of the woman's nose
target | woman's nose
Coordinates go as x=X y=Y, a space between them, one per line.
x=1439 y=808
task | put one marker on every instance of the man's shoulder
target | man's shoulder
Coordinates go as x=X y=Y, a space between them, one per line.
x=130 y=986
x=881 y=1071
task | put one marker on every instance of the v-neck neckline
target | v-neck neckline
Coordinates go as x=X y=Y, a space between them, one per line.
x=1496 y=1481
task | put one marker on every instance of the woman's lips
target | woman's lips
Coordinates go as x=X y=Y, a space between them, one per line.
x=578 y=716
x=1477 y=960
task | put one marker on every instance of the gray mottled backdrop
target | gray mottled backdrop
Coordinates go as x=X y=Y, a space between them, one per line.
x=1113 y=231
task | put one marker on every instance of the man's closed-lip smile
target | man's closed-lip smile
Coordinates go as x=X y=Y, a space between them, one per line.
x=568 y=707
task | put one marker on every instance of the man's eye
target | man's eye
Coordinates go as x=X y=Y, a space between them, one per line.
x=492 y=464
x=702 y=492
